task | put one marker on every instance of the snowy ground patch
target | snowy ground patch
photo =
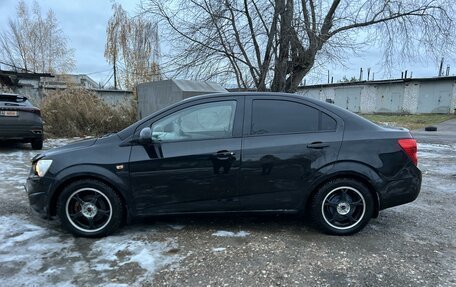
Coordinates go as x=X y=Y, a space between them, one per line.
x=35 y=255
x=222 y=233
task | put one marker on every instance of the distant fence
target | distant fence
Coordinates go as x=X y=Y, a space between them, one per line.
x=413 y=96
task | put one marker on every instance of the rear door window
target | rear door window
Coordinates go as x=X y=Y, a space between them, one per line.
x=280 y=116
x=327 y=123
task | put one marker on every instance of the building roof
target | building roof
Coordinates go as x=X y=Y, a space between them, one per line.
x=186 y=85
x=380 y=82
x=11 y=78
x=24 y=75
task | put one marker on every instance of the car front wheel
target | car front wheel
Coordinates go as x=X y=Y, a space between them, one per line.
x=90 y=208
x=342 y=207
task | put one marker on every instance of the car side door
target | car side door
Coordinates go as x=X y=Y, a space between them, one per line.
x=193 y=162
x=287 y=143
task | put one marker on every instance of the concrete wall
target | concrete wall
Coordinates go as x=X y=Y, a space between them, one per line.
x=154 y=96
x=428 y=95
x=115 y=97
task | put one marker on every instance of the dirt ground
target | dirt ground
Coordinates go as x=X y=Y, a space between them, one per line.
x=409 y=245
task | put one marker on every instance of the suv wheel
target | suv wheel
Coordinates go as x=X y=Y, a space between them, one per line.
x=37 y=144
x=90 y=208
x=342 y=207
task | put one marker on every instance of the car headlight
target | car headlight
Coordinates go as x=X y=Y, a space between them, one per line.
x=41 y=167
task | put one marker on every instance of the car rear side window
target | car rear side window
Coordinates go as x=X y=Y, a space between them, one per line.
x=278 y=116
x=327 y=123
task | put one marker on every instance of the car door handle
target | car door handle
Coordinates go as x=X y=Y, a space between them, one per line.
x=224 y=154
x=317 y=145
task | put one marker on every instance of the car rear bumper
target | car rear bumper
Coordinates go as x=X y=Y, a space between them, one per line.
x=38 y=194
x=21 y=132
x=401 y=191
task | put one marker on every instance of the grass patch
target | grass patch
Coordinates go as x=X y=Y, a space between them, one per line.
x=79 y=112
x=411 y=122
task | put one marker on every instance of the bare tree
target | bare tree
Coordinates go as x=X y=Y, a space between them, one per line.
x=34 y=43
x=132 y=47
x=276 y=43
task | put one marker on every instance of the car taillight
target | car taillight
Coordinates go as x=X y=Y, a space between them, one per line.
x=410 y=148
x=37 y=111
x=30 y=110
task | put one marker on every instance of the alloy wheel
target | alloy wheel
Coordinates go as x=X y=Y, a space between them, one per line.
x=88 y=210
x=343 y=207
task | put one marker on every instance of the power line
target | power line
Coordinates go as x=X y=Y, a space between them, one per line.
x=112 y=74
x=99 y=72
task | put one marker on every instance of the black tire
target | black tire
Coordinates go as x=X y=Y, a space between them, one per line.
x=430 y=129
x=342 y=206
x=37 y=144
x=90 y=208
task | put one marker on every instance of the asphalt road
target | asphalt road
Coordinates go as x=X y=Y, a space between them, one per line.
x=409 y=245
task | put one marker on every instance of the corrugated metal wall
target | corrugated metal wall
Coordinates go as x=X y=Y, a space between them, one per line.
x=389 y=98
x=435 y=97
x=348 y=98
x=154 y=96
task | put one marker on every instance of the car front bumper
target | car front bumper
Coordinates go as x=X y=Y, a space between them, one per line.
x=38 y=189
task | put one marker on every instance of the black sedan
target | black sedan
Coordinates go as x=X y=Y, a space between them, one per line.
x=233 y=152
x=20 y=120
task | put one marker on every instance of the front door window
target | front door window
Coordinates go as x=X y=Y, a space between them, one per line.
x=204 y=121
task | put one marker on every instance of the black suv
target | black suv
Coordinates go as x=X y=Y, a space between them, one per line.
x=233 y=152
x=20 y=120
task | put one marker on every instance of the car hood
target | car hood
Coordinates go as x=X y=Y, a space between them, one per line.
x=66 y=148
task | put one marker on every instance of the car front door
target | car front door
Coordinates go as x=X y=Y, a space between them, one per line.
x=287 y=143
x=193 y=162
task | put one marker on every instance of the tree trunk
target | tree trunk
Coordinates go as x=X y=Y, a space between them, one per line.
x=281 y=63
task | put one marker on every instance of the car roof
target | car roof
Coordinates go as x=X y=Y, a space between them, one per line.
x=9 y=94
x=12 y=97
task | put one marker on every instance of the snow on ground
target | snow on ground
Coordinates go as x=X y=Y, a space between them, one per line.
x=34 y=253
x=222 y=233
x=438 y=164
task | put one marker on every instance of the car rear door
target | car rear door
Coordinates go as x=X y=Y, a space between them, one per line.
x=287 y=143
x=194 y=167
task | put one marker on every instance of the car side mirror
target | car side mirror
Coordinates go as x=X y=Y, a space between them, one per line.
x=145 y=136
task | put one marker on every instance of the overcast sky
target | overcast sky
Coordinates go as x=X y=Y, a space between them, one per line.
x=84 y=23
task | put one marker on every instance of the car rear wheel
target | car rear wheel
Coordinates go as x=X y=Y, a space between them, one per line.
x=90 y=208
x=37 y=144
x=342 y=207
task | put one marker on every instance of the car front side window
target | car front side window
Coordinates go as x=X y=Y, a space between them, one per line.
x=203 y=121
